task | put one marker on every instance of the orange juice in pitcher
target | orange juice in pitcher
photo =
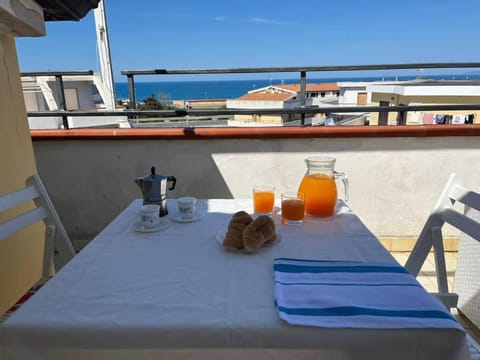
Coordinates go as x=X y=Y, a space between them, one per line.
x=319 y=186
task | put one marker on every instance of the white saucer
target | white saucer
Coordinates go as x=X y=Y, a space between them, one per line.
x=220 y=236
x=175 y=216
x=162 y=224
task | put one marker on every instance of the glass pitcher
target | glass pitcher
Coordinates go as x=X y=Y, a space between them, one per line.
x=319 y=186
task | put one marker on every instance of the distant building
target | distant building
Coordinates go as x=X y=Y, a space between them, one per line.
x=424 y=92
x=284 y=96
x=81 y=92
x=354 y=93
x=200 y=104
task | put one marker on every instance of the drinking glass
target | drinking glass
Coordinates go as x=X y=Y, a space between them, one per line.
x=263 y=200
x=293 y=208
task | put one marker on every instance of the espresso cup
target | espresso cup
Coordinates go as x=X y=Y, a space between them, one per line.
x=150 y=215
x=187 y=207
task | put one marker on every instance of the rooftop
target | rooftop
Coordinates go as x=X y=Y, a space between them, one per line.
x=266 y=96
x=311 y=87
x=283 y=92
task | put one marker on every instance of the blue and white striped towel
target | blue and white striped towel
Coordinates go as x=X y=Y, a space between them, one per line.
x=344 y=294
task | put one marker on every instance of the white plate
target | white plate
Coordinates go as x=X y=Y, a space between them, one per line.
x=175 y=216
x=162 y=224
x=220 y=236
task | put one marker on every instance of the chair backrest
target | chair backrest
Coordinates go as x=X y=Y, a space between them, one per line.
x=431 y=234
x=466 y=283
x=56 y=238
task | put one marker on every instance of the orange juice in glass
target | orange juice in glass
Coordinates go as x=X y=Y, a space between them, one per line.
x=263 y=200
x=293 y=208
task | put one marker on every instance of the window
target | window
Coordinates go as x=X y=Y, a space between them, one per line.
x=383 y=115
x=31 y=101
x=71 y=99
x=362 y=98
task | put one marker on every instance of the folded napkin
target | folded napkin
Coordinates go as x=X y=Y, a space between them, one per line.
x=344 y=294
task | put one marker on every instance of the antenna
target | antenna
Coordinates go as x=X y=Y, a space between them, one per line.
x=103 y=45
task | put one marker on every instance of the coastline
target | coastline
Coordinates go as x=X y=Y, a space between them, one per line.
x=230 y=89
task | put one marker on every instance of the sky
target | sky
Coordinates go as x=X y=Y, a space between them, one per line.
x=194 y=34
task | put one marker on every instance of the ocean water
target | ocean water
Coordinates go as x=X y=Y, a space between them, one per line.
x=230 y=89
x=189 y=90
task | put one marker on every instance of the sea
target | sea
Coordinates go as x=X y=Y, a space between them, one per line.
x=230 y=89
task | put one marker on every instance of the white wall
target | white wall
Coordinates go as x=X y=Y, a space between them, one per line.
x=84 y=90
x=349 y=96
x=394 y=182
x=249 y=104
x=48 y=122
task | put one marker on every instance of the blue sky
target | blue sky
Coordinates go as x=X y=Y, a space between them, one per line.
x=173 y=34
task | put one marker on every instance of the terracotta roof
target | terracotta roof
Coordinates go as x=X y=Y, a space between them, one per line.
x=265 y=96
x=311 y=87
x=284 y=91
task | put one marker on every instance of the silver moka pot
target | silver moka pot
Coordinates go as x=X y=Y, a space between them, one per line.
x=154 y=189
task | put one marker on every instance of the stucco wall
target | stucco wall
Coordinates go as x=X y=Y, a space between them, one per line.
x=84 y=92
x=21 y=255
x=394 y=182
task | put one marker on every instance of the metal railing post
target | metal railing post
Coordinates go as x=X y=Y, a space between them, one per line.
x=131 y=96
x=63 y=102
x=303 y=94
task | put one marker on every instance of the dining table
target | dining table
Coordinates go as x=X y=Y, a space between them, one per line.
x=178 y=293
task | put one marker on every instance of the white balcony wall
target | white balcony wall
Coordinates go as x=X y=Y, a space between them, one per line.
x=293 y=104
x=47 y=122
x=394 y=182
x=248 y=104
x=56 y=122
x=86 y=121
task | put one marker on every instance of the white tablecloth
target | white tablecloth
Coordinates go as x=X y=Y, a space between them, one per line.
x=179 y=294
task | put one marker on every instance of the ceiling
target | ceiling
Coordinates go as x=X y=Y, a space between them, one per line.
x=63 y=10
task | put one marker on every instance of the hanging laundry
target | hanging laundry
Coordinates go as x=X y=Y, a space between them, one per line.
x=427 y=118
x=459 y=119
x=440 y=119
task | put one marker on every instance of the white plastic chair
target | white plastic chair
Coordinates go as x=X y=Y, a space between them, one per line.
x=467 y=274
x=431 y=234
x=56 y=238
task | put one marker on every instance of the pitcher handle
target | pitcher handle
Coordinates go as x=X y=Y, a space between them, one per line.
x=173 y=179
x=343 y=177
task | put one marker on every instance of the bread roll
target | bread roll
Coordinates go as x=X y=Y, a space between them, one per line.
x=258 y=232
x=234 y=235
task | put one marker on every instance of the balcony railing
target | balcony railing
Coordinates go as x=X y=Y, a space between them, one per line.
x=302 y=110
x=59 y=81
